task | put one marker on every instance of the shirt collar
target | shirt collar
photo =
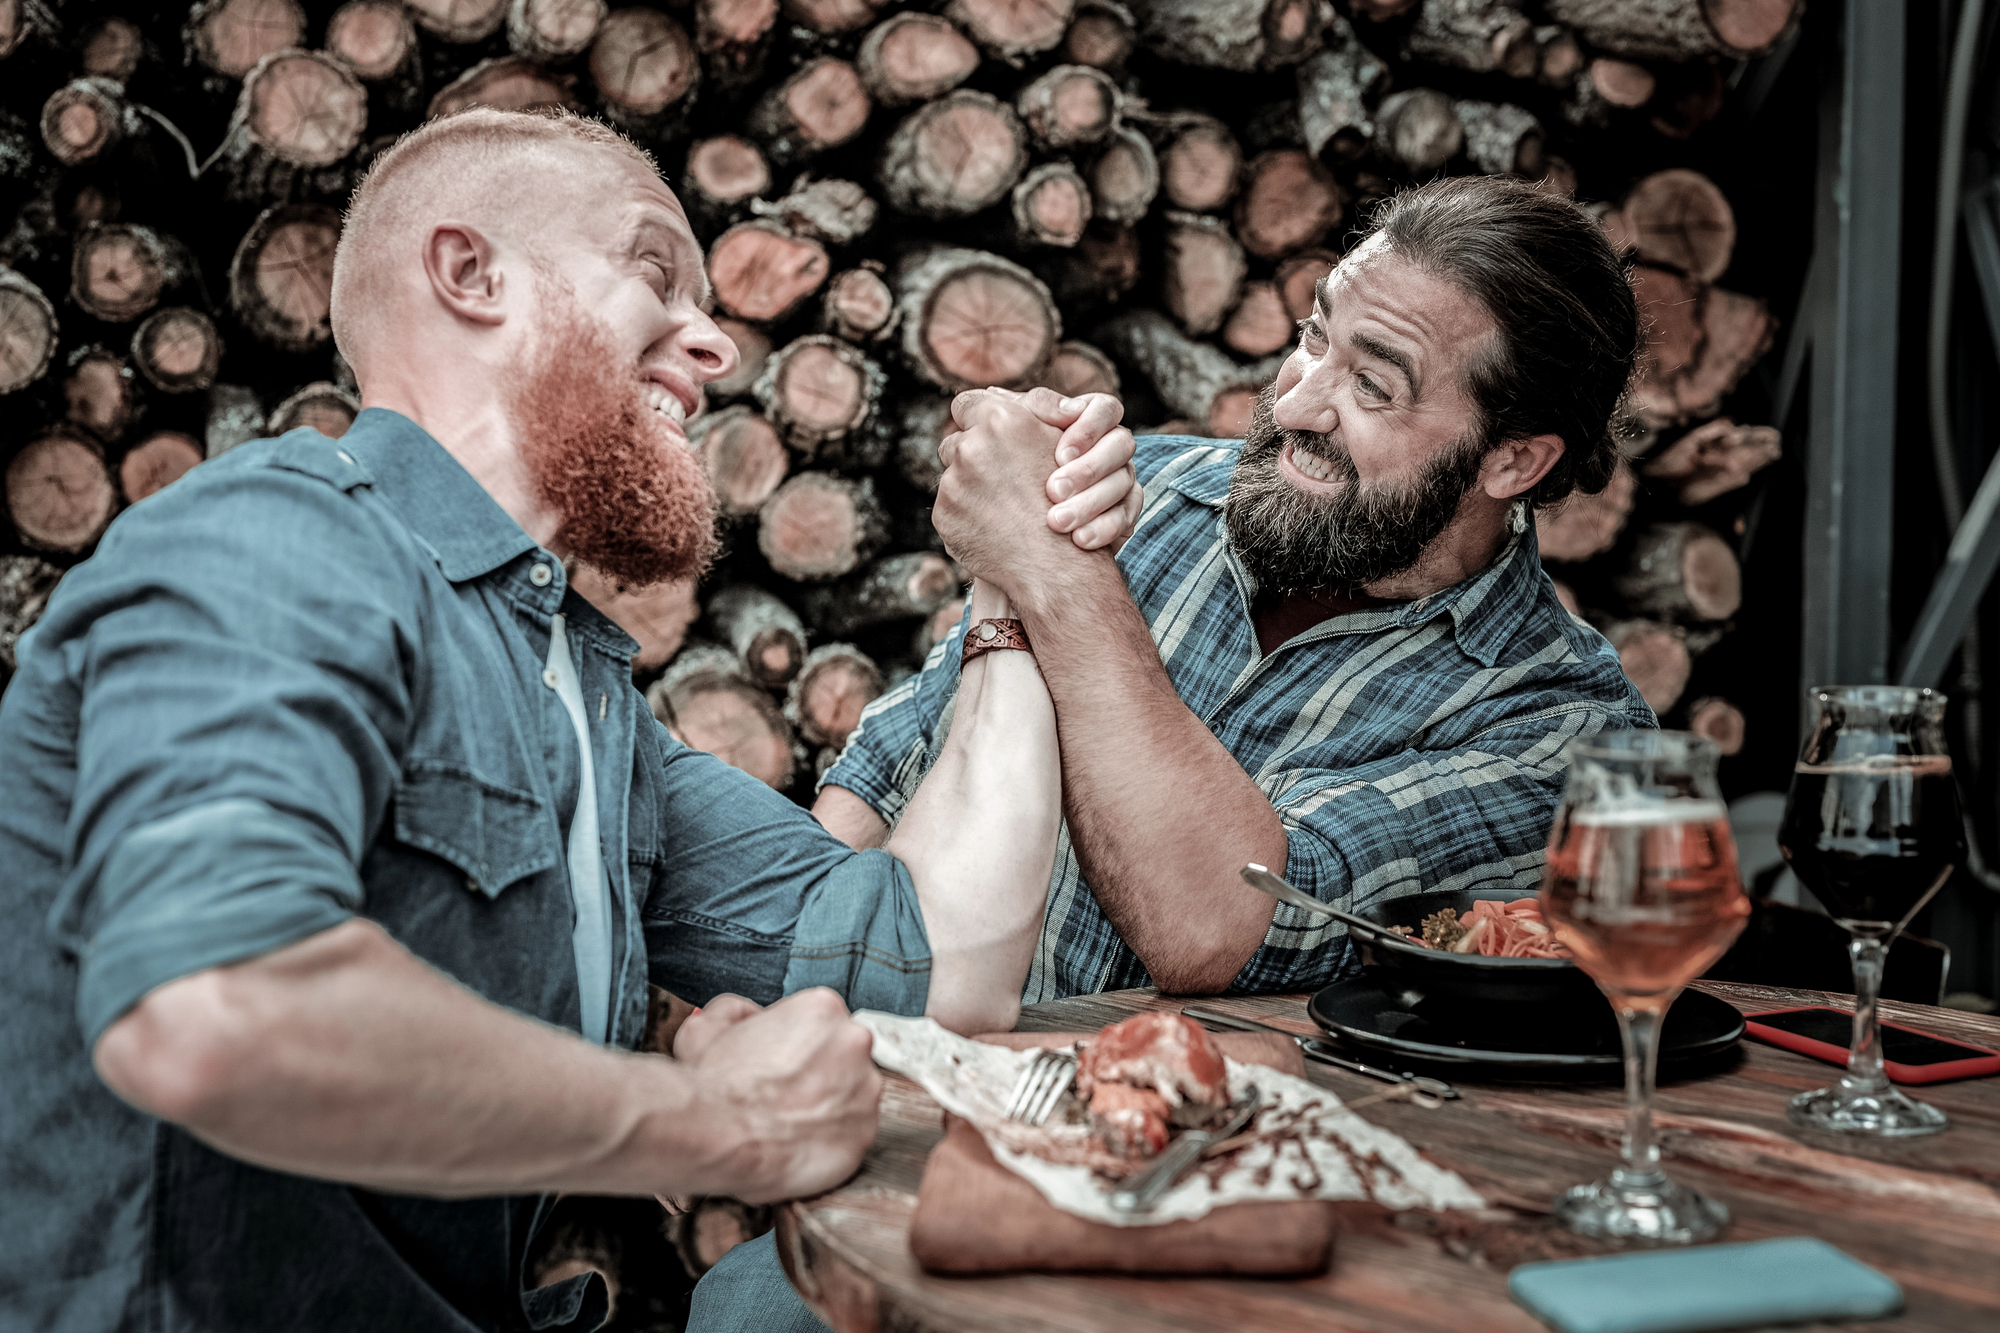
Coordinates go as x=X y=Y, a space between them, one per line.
x=450 y=511
x=1485 y=609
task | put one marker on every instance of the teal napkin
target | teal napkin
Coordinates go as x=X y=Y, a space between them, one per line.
x=1788 y=1280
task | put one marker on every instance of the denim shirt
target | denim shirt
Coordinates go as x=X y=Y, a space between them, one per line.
x=305 y=684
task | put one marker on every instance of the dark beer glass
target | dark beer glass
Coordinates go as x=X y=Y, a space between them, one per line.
x=1872 y=827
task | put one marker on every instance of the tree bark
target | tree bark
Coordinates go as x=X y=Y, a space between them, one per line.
x=281 y=278
x=155 y=462
x=896 y=587
x=1124 y=178
x=1102 y=35
x=1103 y=266
x=1205 y=268
x=1335 y=89
x=1194 y=379
x=837 y=212
x=921 y=425
x=1484 y=36
x=761 y=272
x=1678 y=29
x=859 y=305
x=821 y=106
x=235 y=416
x=768 y=639
x=746 y=460
x=231 y=36
x=505 y=83
x=827 y=696
x=1682 y=572
x=58 y=493
x=550 y=30
x=1052 y=206
x=1077 y=368
x=643 y=63
x=954 y=156
x=1233 y=34
x=817 y=527
x=1199 y=169
x=1259 y=326
x=1013 y=30
x=712 y=708
x=98 y=394
x=86 y=118
x=1289 y=202
x=1503 y=140
x=25 y=585
x=972 y=319
x=459 y=21
x=322 y=406
x=734 y=36
x=1068 y=106
x=28 y=332
x=913 y=58
x=374 y=38
x=1418 y=130
x=1715 y=458
x=820 y=392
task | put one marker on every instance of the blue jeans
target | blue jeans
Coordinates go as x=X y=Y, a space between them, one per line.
x=747 y=1292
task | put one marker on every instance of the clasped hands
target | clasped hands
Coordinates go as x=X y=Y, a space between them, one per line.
x=1002 y=513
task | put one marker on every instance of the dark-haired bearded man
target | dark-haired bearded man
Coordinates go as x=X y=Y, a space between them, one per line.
x=1332 y=648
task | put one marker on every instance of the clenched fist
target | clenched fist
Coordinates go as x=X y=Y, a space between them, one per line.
x=790 y=1091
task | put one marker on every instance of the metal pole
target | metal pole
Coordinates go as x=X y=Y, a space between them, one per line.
x=1851 y=448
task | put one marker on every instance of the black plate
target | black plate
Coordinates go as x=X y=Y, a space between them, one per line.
x=1362 y=1016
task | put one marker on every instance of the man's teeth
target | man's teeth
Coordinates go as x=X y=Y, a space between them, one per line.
x=1319 y=469
x=666 y=404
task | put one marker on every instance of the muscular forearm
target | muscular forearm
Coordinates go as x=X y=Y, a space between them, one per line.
x=979 y=837
x=346 y=1057
x=1161 y=815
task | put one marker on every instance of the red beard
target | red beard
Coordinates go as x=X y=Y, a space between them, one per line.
x=631 y=498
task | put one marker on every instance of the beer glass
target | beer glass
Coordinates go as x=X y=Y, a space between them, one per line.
x=1872 y=827
x=1642 y=887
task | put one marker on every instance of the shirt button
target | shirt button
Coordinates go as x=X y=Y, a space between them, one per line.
x=551 y=679
x=540 y=576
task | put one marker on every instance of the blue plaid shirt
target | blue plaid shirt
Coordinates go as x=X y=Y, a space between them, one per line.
x=1407 y=748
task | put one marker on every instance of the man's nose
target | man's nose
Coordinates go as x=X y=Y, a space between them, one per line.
x=1307 y=406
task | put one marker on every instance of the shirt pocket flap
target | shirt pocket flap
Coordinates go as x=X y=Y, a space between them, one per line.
x=495 y=834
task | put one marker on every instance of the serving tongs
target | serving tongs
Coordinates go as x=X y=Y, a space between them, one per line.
x=1140 y=1192
x=1320 y=1053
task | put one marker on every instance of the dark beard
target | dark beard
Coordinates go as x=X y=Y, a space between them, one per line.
x=630 y=498
x=1293 y=542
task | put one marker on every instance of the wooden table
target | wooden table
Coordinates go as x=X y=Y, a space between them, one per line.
x=1924 y=1211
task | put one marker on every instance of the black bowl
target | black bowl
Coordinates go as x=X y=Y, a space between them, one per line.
x=1464 y=984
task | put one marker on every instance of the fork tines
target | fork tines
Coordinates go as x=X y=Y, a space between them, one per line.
x=1041 y=1086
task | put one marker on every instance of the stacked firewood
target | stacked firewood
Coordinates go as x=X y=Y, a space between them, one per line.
x=1134 y=196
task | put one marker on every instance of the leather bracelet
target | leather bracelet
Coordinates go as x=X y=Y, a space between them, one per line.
x=986 y=636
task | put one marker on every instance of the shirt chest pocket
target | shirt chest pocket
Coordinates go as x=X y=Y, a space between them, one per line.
x=496 y=834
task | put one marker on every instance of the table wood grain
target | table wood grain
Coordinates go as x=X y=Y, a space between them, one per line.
x=1924 y=1211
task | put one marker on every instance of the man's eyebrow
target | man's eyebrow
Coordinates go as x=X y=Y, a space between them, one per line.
x=1375 y=347
x=686 y=253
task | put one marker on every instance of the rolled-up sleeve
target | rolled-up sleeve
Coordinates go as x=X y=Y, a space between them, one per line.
x=1472 y=817
x=755 y=897
x=238 y=667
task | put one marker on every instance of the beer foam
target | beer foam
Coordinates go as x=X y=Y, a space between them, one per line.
x=1882 y=766
x=1637 y=811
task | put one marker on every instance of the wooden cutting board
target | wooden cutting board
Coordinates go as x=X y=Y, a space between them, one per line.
x=975 y=1216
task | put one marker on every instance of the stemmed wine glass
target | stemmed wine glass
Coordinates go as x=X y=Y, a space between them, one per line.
x=1872 y=827
x=1642 y=887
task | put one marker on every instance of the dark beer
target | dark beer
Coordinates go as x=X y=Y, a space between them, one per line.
x=1873 y=838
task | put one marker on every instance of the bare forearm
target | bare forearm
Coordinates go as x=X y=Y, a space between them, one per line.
x=348 y=1058
x=979 y=837
x=1160 y=813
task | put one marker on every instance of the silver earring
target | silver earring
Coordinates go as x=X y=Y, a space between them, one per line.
x=1517 y=518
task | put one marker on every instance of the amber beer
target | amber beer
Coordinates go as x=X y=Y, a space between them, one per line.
x=1645 y=896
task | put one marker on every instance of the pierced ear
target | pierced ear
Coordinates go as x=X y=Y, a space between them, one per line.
x=1517 y=466
x=459 y=263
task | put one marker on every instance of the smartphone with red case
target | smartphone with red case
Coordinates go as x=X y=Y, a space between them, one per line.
x=1908 y=1056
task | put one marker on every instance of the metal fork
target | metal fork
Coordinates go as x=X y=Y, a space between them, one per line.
x=1041 y=1086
